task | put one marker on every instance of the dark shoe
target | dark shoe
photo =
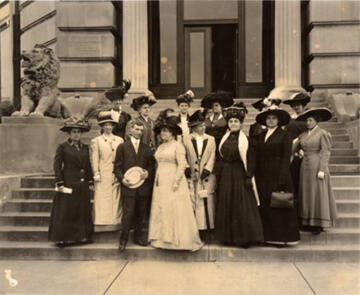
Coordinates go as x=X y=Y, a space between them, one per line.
x=60 y=245
x=122 y=245
x=140 y=242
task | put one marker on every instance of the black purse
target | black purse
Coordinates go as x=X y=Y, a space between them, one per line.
x=282 y=200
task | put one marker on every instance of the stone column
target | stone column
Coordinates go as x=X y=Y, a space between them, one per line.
x=135 y=46
x=287 y=48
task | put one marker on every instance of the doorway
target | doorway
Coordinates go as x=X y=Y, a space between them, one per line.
x=211 y=58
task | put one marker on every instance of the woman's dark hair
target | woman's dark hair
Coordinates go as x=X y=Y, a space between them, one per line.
x=241 y=119
x=172 y=131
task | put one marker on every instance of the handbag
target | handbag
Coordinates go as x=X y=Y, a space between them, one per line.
x=282 y=200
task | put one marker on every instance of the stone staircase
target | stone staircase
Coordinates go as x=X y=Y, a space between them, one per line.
x=24 y=219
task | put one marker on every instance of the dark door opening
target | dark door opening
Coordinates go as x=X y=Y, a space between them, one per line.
x=224 y=57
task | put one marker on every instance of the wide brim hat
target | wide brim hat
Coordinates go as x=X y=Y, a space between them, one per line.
x=322 y=114
x=300 y=97
x=133 y=175
x=186 y=97
x=238 y=111
x=105 y=117
x=282 y=115
x=224 y=98
x=196 y=118
x=119 y=91
x=141 y=100
x=71 y=123
x=170 y=122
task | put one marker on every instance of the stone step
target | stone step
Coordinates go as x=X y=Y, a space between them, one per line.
x=344 y=160
x=348 y=206
x=345 y=220
x=344 y=169
x=343 y=145
x=348 y=220
x=346 y=193
x=40 y=234
x=344 y=152
x=351 y=193
x=28 y=205
x=345 y=180
x=45 y=205
x=25 y=218
x=47 y=182
x=337 y=138
x=33 y=193
x=38 y=182
x=209 y=253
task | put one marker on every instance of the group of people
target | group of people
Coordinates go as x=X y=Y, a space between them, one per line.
x=186 y=178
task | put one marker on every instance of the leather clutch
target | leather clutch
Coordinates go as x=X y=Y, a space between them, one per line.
x=282 y=200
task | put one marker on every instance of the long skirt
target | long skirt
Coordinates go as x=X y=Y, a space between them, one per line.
x=71 y=218
x=172 y=220
x=237 y=219
x=317 y=201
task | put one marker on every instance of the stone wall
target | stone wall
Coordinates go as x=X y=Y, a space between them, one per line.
x=6 y=57
x=334 y=43
x=84 y=35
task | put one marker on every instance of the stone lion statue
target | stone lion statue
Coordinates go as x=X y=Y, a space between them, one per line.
x=39 y=84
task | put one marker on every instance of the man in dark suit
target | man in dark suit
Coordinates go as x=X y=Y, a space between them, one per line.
x=130 y=154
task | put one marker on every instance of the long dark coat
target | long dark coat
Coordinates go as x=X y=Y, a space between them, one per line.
x=272 y=174
x=71 y=219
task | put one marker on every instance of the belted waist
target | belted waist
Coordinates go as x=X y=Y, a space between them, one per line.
x=311 y=152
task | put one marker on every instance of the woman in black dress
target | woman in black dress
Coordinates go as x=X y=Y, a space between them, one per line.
x=273 y=150
x=237 y=219
x=71 y=220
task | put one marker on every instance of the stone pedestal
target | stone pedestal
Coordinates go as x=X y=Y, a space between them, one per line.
x=135 y=46
x=28 y=145
x=287 y=48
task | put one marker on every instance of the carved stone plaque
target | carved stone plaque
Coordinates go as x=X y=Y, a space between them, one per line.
x=84 y=45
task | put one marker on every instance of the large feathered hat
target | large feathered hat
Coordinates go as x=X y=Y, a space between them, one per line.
x=186 y=97
x=299 y=97
x=320 y=114
x=170 y=122
x=224 y=98
x=141 y=100
x=119 y=91
x=78 y=110
x=238 y=111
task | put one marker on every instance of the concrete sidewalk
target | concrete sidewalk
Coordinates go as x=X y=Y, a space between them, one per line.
x=154 y=277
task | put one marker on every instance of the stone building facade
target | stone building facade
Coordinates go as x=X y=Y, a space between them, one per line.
x=167 y=46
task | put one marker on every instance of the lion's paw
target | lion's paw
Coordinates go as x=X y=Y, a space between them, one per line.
x=20 y=114
x=36 y=115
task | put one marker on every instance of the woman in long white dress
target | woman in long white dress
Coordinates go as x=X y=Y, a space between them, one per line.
x=107 y=211
x=172 y=220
